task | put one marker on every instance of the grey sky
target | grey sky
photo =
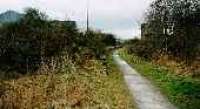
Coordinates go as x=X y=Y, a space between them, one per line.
x=121 y=17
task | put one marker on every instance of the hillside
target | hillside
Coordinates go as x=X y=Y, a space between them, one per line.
x=10 y=16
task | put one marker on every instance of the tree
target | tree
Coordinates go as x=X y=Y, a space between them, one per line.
x=183 y=17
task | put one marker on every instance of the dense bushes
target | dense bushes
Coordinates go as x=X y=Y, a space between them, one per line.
x=141 y=48
x=97 y=42
x=35 y=40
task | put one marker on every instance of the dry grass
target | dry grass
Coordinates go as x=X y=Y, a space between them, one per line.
x=87 y=88
x=180 y=67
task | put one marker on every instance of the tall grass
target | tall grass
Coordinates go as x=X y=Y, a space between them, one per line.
x=93 y=86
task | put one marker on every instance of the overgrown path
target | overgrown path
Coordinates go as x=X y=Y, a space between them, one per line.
x=145 y=94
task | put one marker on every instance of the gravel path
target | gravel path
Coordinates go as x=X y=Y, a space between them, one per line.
x=145 y=94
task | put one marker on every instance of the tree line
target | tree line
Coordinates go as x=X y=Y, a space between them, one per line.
x=34 y=40
x=171 y=27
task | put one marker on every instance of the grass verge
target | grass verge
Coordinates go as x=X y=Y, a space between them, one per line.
x=88 y=87
x=183 y=91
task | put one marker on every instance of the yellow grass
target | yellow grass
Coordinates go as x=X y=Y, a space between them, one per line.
x=87 y=88
x=179 y=67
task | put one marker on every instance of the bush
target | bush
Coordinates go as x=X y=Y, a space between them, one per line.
x=141 y=48
x=34 y=40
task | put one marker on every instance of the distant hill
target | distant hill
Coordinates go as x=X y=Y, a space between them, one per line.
x=10 y=16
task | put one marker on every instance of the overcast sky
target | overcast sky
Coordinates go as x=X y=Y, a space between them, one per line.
x=120 y=17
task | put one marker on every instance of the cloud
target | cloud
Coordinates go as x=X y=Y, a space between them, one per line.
x=121 y=17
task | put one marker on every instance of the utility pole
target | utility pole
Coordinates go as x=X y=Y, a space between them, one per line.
x=87 y=16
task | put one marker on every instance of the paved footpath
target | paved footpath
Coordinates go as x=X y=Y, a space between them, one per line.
x=145 y=94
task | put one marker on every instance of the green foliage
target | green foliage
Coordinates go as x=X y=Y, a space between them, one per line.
x=141 y=48
x=94 y=40
x=35 y=40
x=109 y=39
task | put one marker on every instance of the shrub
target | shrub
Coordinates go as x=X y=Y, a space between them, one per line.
x=141 y=48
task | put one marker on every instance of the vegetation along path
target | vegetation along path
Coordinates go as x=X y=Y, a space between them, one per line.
x=145 y=94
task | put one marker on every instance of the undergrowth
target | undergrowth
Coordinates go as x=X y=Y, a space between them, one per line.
x=93 y=86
